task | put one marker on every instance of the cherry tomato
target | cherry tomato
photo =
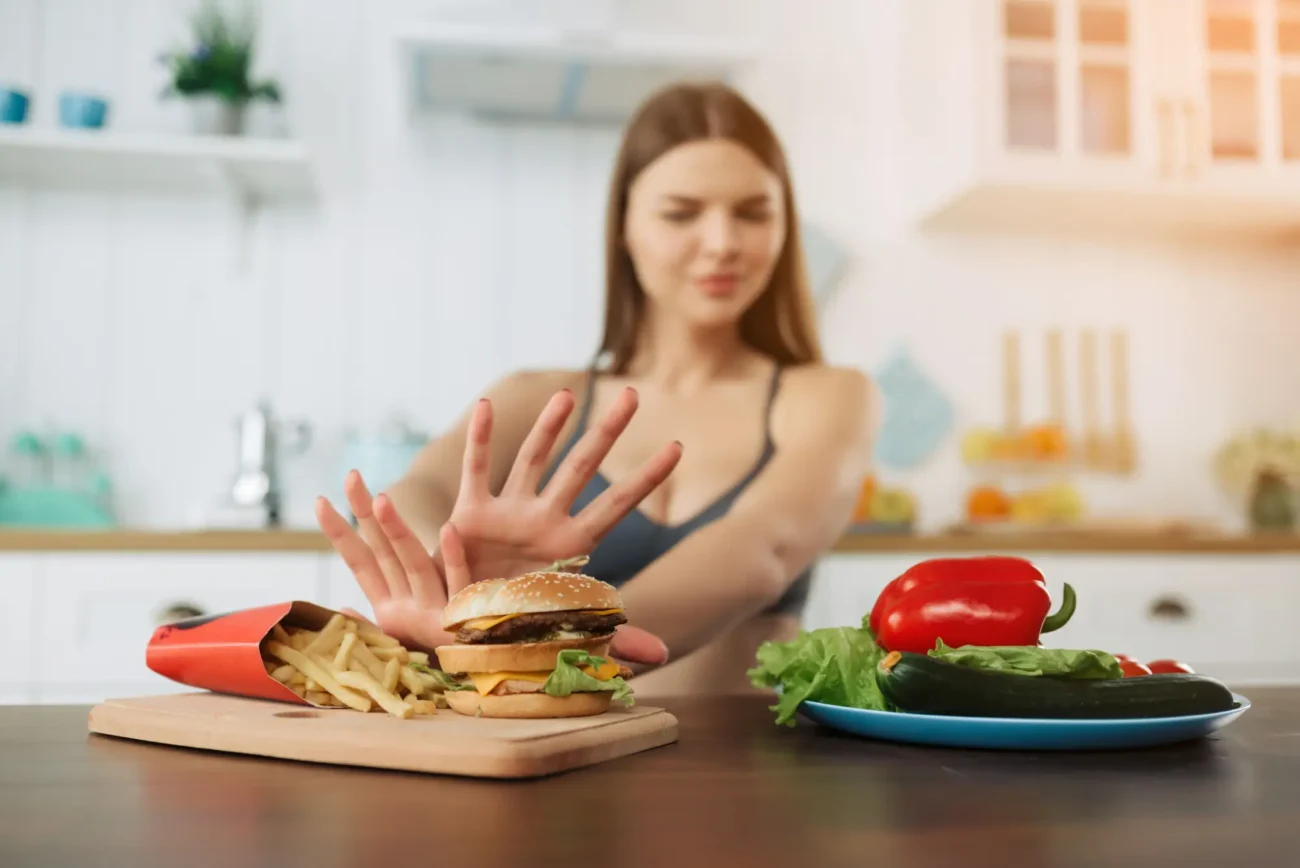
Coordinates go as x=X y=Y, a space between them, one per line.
x=1170 y=666
x=1132 y=668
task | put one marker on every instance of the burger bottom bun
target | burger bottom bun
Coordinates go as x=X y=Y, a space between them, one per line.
x=533 y=705
x=515 y=656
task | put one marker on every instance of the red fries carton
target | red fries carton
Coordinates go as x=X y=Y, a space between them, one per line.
x=223 y=653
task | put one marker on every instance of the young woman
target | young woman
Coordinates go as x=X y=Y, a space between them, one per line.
x=704 y=461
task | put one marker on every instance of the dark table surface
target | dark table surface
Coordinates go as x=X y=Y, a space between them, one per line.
x=735 y=790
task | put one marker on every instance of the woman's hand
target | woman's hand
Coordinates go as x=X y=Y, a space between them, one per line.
x=489 y=536
x=522 y=529
x=405 y=588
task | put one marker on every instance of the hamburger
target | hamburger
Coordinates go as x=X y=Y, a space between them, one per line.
x=533 y=646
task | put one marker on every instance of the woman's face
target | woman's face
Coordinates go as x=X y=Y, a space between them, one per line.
x=704 y=227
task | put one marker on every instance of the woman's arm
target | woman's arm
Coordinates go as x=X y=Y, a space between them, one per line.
x=793 y=511
x=425 y=495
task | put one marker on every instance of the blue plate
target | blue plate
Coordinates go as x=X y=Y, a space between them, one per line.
x=1002 y=733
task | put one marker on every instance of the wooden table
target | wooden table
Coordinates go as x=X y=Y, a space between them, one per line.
x=735 y=790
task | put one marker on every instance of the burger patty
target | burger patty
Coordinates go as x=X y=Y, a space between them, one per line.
x=541 y=627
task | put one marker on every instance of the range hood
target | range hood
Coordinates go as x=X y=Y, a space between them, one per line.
x=554 y=74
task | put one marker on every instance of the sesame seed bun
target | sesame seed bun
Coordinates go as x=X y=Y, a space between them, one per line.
x=529 y=705
x=531 y=593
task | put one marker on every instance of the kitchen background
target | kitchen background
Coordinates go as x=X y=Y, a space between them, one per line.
x=996 y=192
x=437 y=252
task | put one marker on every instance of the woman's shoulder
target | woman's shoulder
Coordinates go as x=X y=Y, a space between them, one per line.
x=824 y=404
x=535 y=386
x=819 y=385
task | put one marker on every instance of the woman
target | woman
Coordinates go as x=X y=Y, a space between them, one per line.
x=709 y=340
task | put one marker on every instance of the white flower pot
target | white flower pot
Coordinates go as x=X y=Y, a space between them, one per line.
x=212 y=116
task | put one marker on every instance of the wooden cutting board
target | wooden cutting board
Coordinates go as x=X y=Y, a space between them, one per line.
x=443 y=743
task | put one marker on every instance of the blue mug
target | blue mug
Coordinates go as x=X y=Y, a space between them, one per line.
x=13 y=106
x=82 y=110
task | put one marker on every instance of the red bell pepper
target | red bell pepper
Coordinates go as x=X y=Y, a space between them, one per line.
x=951 y=571
x=990 y=600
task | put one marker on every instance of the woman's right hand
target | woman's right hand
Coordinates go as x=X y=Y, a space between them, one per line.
x=406 y=589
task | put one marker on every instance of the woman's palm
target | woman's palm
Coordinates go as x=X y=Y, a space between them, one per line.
x=522 y=528
x=502 y=539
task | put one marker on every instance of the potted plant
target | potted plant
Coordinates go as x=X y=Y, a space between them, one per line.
x=1262 y=468
x=214 y=74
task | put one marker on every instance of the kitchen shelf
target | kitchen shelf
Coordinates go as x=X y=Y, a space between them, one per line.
x=255 y=170
x=1124 y=208
x=553 y=74
x=1083 y=540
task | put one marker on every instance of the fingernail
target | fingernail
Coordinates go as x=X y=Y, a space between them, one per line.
x=679 y=443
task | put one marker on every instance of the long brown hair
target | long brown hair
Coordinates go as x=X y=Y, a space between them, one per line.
x=781 y=322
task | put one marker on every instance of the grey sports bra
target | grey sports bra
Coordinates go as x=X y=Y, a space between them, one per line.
x=637 y=540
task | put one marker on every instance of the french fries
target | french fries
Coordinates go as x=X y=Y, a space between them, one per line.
x=347 y=664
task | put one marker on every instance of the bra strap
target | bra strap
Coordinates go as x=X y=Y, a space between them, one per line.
x=586 y=404
x=773 y=387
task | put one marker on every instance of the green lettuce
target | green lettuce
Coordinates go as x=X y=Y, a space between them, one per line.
x=445 y=681
x=1031 y=660
x=568 y=678
x=565 y=679
x=835 y=665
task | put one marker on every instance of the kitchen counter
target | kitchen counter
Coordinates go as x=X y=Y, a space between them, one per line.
x=734 y=790
x=308 y=540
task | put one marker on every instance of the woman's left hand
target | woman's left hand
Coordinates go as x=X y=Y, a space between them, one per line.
x=522 y=529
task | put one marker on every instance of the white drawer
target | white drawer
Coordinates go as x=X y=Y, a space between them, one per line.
x=1222 y=615
x=97 y=611
x=17 y=600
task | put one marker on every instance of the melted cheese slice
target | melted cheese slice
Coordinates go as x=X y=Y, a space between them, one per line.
x=486 y=682
x=489 y=622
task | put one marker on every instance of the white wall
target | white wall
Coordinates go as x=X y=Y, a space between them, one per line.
x=121 y=316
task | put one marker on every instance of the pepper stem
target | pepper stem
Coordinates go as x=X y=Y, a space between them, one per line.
x=890 y=661
x=1058 y=620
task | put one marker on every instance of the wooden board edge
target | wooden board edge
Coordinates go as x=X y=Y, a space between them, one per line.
x=567 y=751
x=529 y=758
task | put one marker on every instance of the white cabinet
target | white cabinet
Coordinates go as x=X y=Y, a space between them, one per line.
x=74 y=626
x=846 y=586
x=1231 y=617
x=17 y=591
x=95 y=612
x=1156 y=115
x=342 y=590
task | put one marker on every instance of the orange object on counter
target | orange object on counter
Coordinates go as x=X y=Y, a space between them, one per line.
x=1047 y=442
x=987 y=503
x=862 y=509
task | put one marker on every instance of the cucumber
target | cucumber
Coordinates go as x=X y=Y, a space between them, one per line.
x=924 y=685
